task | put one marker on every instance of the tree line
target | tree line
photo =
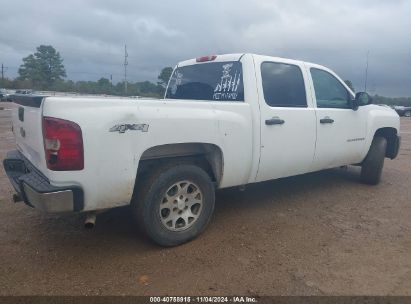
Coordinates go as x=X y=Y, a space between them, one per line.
x=44 y=71
x=392 y=101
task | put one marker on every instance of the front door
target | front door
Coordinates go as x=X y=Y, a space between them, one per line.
x=341 y=131
x=288 y=122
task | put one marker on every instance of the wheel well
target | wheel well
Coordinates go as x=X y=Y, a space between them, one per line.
x=207 y=156
x=390 y=135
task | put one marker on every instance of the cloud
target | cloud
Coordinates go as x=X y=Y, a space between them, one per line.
x=91 y=35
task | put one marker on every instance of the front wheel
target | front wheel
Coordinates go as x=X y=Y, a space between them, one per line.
x=407 y=113
x=174 y=204
x=371 y=169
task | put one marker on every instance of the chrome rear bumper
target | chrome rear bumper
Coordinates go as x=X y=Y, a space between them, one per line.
x=35 y=189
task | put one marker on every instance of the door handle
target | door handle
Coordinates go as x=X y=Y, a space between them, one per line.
x=274 y=121
x=326 y=120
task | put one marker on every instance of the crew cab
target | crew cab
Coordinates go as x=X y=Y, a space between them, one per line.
x=225 y=121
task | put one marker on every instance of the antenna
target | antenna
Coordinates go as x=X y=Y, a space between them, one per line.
x=366 y=72
x=125 y=69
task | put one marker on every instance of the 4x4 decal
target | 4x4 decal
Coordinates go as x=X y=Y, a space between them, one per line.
x=134 y=127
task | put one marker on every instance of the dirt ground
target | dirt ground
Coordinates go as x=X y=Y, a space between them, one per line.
x=317 y=234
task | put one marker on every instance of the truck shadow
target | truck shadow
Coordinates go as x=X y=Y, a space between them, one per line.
x=289 y=189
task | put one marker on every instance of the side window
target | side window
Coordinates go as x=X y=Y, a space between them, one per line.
x=329 y=91
x=283 y=85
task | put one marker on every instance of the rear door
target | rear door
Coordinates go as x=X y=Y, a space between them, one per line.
x=27 y=128
x=341 y=131
x=288 y=121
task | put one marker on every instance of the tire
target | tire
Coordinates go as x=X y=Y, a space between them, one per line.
x=372 y=165
x=407 y=113
x=174 y=204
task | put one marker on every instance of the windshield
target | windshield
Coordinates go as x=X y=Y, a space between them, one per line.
x=214 y=81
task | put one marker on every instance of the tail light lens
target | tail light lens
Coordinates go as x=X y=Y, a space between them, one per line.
x=63 y=144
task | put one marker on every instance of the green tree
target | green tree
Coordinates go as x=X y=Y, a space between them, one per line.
x=44 y=68
x=165 y=76
x=104 y=86
x=350 y=85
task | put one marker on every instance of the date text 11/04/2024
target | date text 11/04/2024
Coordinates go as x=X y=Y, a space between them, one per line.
x=203 y=299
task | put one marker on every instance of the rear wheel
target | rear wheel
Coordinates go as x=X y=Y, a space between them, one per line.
x=174 y=204
x=372 y=166
x=407 y=113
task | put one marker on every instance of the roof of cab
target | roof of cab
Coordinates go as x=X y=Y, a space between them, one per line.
x=237 y=56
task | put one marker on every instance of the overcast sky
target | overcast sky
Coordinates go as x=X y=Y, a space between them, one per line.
x=90 y=35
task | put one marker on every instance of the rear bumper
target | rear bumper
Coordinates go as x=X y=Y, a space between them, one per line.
x=35 y=189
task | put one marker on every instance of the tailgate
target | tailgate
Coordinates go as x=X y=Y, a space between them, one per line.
x=27 y=128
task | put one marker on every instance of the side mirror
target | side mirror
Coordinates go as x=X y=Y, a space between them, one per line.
x=354 y=105
x=362 y=99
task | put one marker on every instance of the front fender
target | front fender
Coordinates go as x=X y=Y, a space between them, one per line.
x=380 y=118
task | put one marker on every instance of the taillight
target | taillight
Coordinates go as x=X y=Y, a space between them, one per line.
x=63 y=144
x=206 y=58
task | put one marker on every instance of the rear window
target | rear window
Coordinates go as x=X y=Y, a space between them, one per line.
x=214 y=81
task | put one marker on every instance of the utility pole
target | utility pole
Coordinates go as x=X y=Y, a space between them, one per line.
x=3 y=69
x=125 y=69
x=366 y=72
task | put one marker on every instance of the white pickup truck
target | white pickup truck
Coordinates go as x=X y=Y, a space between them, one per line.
x=225 y=121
